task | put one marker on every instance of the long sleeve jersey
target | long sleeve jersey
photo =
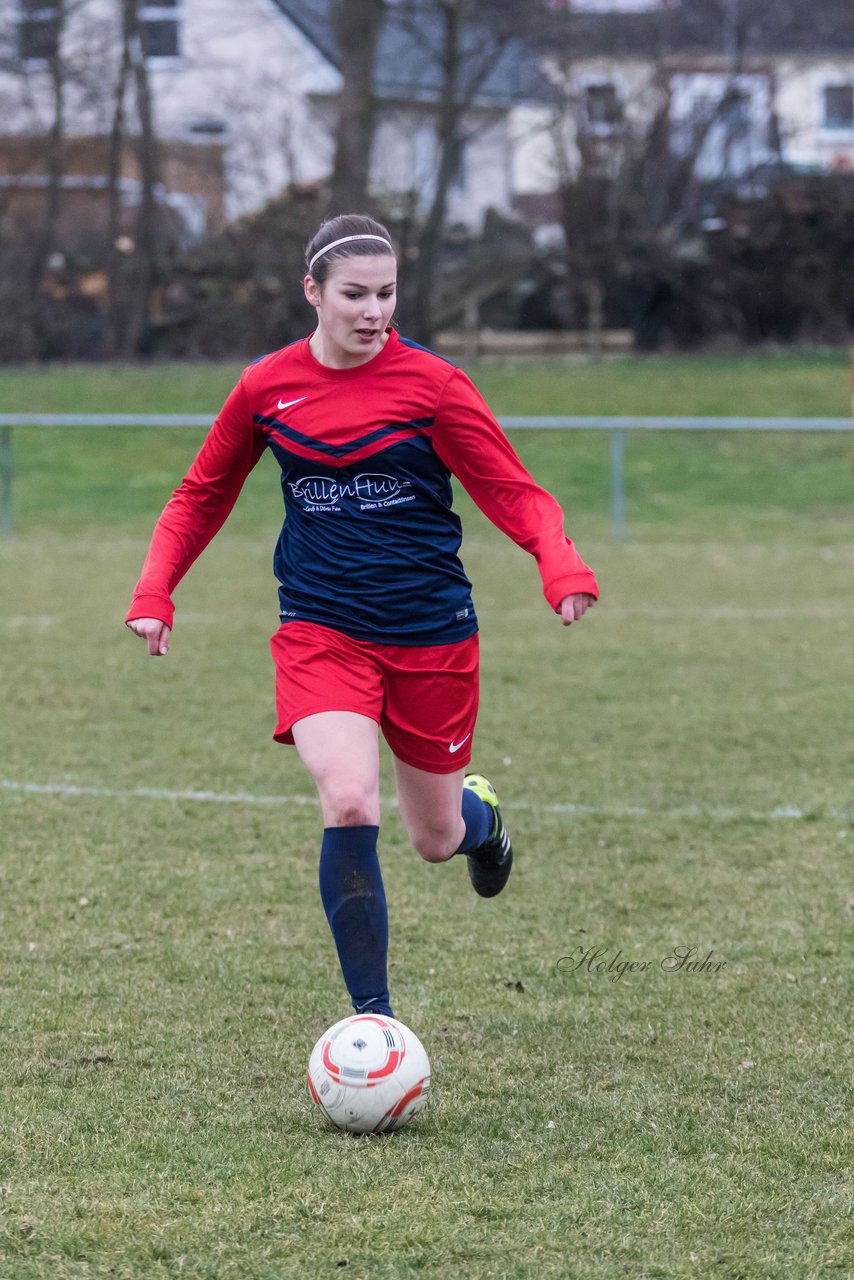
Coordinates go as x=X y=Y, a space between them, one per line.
x=370 y=542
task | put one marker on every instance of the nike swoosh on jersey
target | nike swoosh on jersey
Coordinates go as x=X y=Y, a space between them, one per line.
x=286 y=404
x=455 y=746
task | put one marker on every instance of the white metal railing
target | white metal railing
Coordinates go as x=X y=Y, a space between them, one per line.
x=617 y=426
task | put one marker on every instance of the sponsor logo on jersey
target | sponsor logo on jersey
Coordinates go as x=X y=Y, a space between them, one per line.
x=368 y=491
x=286 y=404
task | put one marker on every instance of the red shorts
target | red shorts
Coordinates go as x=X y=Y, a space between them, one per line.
x=423 y=697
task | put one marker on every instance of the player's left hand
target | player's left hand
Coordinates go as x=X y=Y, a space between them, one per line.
x=574 y=607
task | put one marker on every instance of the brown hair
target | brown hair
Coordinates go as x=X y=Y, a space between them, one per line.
x=346 y=224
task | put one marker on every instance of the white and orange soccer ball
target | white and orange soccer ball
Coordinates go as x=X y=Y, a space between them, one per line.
x=369 y=1074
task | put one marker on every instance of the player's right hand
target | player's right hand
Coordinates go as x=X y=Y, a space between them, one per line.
x=155 y=632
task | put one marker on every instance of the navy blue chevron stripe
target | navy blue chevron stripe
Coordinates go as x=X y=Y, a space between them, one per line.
x=416 y=346
x=342 y=450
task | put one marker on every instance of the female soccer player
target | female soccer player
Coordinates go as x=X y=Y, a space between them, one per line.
x=378 y=629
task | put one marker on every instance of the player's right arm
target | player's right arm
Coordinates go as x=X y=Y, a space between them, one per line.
x=197 y=510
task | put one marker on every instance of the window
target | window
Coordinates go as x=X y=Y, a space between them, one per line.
x=603 y=111
x=736 y=118
x=38 y=30
x=207 y=128
x=160 y=22
x=721 y=122
x=839 y=106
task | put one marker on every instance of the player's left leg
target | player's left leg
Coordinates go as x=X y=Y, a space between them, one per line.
x=431 y=810
x=446 y=814
x=490 y=862
x=428 y=720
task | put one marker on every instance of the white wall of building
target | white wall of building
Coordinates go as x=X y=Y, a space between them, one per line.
x=544 y=139
x=405 y=159
x=245 y=66
x=800 y=85
x=247 y=77
x=486 y=170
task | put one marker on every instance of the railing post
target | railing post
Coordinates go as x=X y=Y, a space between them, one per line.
x=5 y=482
x=618 y=522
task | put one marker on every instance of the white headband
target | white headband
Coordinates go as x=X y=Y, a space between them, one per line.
x=344 y=240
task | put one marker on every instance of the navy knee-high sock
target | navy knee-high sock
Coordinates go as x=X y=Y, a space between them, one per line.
x=479 y=818
x=351 y=888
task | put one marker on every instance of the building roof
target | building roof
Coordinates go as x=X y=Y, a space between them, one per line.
x=754 y=27
x=408 y=64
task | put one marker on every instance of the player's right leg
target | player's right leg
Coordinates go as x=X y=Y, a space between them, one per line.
x=340 y=749
x=329 y=700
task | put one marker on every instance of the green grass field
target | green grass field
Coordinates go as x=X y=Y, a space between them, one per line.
x=676 y=771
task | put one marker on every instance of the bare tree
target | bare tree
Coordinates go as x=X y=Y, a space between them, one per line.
x=147 y=159
x=132 y=260
x=33 y=315
x=357 y=25
x=630 y=183
x=115 y=154
x=472 y=39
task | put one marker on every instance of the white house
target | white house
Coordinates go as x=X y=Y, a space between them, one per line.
x=254 y=82
x=245 y=95
x=746 y=84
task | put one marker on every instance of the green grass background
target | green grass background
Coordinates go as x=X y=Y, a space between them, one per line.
x=166 y=966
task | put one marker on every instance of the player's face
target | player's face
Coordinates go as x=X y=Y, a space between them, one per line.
x=354 y=305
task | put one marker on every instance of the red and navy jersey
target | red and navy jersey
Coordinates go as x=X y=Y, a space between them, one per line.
x=370 y=541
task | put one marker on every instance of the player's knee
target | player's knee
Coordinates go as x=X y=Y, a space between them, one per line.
x=434 y=844
x=349 y=804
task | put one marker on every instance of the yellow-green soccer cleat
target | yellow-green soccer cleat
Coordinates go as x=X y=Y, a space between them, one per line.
x=489 y=864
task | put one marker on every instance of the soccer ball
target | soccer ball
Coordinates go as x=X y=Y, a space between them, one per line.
x=369 y=1074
